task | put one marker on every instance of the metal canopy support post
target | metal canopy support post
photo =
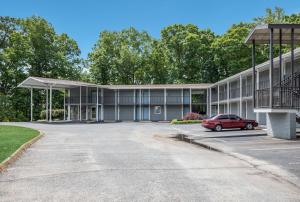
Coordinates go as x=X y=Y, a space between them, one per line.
x=253 y=74
x=69 y=106
x=228 y=88
x=134 y=104
x=165 y=104
x=190 y=100
x=241 y=96
x=218 y=99
x=64 y=104
x=50 y=113
x=97 y=105
x=280 y=65
x=271 y=67
x=118 y=104
x=210 y=106
x=182 y=100
x=140 y=93
x=149 y=105
x=292 y=52
x=102 y=105
x=86 y=103
x=80 y=103
x=31 y=104
x=47 y=104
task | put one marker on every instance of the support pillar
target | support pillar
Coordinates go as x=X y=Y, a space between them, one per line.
x=31 y=104
x=69 y=105
x=218 y=99
x=253 y=75
x=241 y=96
x=281 y=125
x=50 y=113
x=97 y=105
x=80 y=103
x=228 y=88
x=86 y=103
x=190 y=100
x=182 y=100
x=140 y=93
x=134 y=104
x=149 y=105
x=47 y=104
x=210 y=114
x=64 y=104
x=271 y=68
x=165 y=104
x=102 y=105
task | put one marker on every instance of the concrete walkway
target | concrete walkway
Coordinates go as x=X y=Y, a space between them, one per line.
x=132 y=162
x=281 y=157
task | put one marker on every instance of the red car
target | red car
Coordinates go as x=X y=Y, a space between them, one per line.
x=221 y=121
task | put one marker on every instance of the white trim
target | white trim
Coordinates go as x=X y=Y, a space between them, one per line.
x=269 y=110
x=190 y=100
x=218 y=99
x=210 y=105
x=149 y=94
x=102 y=105
x=241 y=96
x=118 y=108
x=228 y=94
x=47 y=105
x=182 y=100
x=134 y=105
x=141 y=118
x=69 y=106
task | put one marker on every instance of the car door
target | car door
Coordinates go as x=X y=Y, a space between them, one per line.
x=225 y=121
x=235 y=121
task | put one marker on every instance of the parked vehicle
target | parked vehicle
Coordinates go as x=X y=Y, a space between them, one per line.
x=224 y=121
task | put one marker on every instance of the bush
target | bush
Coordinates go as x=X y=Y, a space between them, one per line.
x=192 y=116
x=56 y=114
x=175 y=121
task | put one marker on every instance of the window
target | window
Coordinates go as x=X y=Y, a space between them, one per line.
x=157 y=110
x=233 y=117
x=221 y=117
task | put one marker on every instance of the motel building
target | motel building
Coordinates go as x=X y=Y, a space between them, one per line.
x=267 y=92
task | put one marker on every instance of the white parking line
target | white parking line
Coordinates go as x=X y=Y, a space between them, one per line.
x=278 y=148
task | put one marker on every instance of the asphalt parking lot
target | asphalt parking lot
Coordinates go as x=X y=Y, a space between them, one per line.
x=132 y=162
x=252 y=143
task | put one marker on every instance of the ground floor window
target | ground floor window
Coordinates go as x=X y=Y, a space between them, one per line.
x=157 y=110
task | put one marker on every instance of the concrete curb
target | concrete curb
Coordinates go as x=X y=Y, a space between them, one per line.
x=13 y=157
x=256 y=163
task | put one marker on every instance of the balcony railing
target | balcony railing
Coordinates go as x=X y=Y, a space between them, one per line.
x=283 y=98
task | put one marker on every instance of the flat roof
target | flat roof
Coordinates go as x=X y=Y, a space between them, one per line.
x=261 y=33
x=43 y=83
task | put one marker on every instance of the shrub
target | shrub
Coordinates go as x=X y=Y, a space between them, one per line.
x=56 y=114
x=175 y=121
x=192 y=116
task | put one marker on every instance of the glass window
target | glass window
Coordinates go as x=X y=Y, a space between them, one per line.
x=157 y=110
x=233 y=117
x=223 y=117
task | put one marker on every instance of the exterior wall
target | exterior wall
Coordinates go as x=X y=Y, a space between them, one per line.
x=174 y=112
x=109 y=113
x=126 y=113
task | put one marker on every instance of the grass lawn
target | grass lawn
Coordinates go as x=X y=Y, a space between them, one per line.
x=12 y=137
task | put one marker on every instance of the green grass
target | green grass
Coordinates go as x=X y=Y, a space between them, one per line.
x=175 y=121
x=12 y=137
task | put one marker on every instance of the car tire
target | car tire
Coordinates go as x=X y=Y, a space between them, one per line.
x=249 y=126
x=218 y=128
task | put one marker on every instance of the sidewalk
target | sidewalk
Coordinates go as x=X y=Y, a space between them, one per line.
x=277 y=156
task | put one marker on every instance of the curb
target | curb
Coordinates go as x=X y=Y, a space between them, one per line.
x=13 y=157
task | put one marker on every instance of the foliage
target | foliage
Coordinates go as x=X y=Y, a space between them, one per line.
x=12 y=137
x=56 y=114
x=175 y=121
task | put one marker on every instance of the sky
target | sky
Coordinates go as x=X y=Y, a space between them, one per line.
x=83 y=20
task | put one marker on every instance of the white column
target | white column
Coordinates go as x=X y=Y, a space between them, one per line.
x=97 y=105
x=64 y=104
x=31 y=105
x=86 y=103
x=69 y=105
x=257 y=87
x=182 y=100
x=190 y=100
x=102 y=105
x=50 y=113
x=80 y=103
x=118 y=104
x=218 y=99
x=141 y=104
x=210 y=103
x=134 y=104
x=47 y=104
x=228 y=106
x=149 y=105
x=165 y=104
x=241 y=96
x=246 y=109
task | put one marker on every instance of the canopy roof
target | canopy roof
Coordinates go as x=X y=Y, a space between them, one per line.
x=261 y=33
x=43 y=83
x=39 y=82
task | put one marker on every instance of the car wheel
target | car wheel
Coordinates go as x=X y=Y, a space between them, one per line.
x=249 y=126
x=218 y=128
